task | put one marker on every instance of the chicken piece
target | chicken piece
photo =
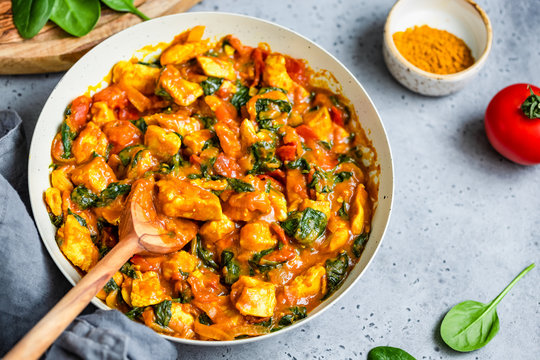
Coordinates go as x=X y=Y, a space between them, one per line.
x=112 y=212
x=147 y=290
x=256 y=236
x=275 y=73
x=179 y=122
x=359 y=211
x=181 y=320
x=180 y=262
x=279 y=204
x=60 y=178
x=180 y=53
x=183 y=92
x=215 y=230
x=248 y=134
x=321 y=205
x=90 y=141
x=248 y=206
x=53 y=198
x=77 y=245
x=320 y=122
x=162 y=143
x=229 y=140
x=122 y=134
x=179 y=198
x=213 y=66
x=338 y=238
x=102 y=113
x=253 y=297
x=142 y=161
x=195 y=141
x=139 y=76
x=296 y=188
x=312 y=282
x=95 y=175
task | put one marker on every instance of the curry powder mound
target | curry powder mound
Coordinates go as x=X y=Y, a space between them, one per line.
x=433 y=50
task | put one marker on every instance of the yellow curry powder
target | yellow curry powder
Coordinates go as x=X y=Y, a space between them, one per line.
x=433 y=50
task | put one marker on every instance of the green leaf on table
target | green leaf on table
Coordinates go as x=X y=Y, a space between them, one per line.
x=29 y=16
x=470 y=325
x=76 y=17
x=125 y=6
x=389 y=353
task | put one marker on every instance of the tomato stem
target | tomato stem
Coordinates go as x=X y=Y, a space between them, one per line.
x=531 y=105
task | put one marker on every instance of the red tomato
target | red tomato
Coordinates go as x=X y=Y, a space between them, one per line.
x=513 y=134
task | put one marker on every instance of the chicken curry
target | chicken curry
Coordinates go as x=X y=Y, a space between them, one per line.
x=259 y=172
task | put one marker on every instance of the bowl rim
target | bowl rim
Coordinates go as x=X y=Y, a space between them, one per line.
x=389 y=41
x=37 y=203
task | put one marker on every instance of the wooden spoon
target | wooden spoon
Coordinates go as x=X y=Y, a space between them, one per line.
x=139 y=232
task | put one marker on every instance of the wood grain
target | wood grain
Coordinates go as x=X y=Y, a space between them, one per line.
x=54 y=50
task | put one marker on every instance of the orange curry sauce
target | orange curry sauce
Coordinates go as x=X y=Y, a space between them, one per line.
x=258 y=172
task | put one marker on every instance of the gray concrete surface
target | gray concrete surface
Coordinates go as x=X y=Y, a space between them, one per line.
x=465 y=220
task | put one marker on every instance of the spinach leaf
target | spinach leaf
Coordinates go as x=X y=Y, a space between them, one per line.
x=163 y=93
x=205 y=319
x=342 y=176
x=241 y=96
x=258 y=263
x=231 y=269
x=263 y=105
x=212 y=142
x=211 y=85
x=343 y=158
x=56 y=220
x=240 y=186
x=359 y=244
x=129 y=270
x=327 y=145
x=322 y=182
x=125 y=154
x=297 y=313
x=265 y=90
x=208 y=121
x=111 y=286
x=76 y=17
x=150 y=64
x=29 y=16
x=163 y=312
x=336 y=269
x=135 y=312
x=136 y=158
x=265 y=159
x=79 y=218
x=470 y=325
x=141 y=124
x=184 y=297
x=342 y=212
x=67 y=139
x=388 y=353
x=125 y=6
x=305 y=226
x=111 y=192
x=206 y=256
x=83 y=197
x=299 y=163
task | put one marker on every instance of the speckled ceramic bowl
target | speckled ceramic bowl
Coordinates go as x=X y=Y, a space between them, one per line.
x=463 y=18
x=94 y=66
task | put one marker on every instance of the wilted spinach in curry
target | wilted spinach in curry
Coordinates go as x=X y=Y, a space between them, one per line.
x=242 y=160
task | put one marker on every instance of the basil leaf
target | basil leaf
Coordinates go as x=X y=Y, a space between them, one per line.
x=240 y=186
x=79 y=218
x=141 y=124
x=388 y=353
x=231 y=269
x=206 y=256
x=211 y=85
x=76 y=17
x=111 y=192
x=29 y=16
x=125 y=6
x=470 y=325
x=205 y=319
x=129 y=270
x=359 y=244
x=83 y=197
x=241 y=96
x=163 y=312
x=336 y=269
x=135 y=312
x=67 y=139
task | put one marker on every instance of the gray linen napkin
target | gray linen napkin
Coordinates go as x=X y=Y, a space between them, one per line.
x=31 y=283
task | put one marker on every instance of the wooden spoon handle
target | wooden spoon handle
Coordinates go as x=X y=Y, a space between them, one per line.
x=43 y=334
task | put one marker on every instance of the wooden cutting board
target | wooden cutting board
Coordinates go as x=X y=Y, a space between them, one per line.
x=55 y=50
